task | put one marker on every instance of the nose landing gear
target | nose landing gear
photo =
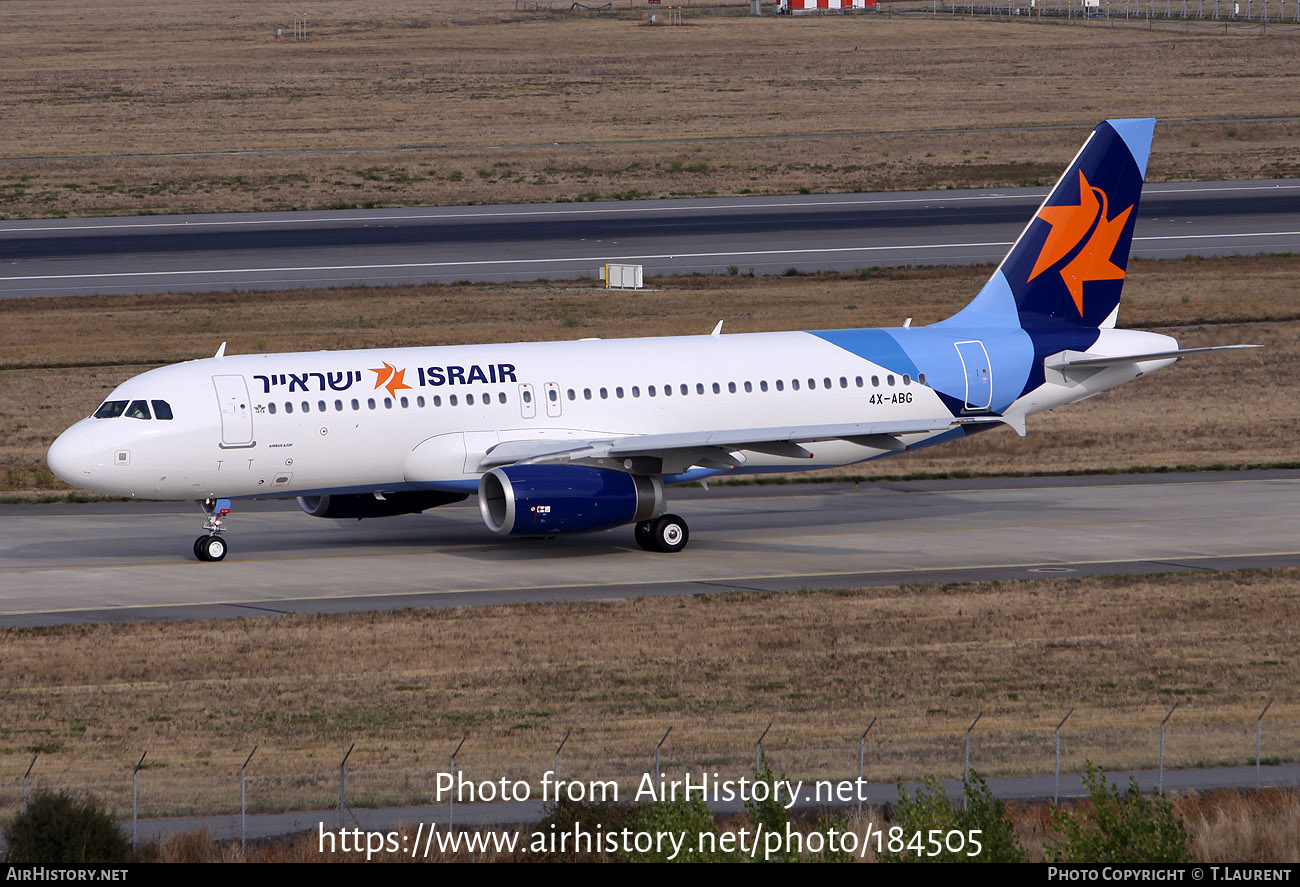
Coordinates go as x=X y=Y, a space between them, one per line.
x=212 y=547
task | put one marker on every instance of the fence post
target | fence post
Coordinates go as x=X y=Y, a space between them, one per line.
x=343 y=783
x=451 y=796
x=965 y=776
x=1259 y=721
x=657 y=747
x=758 y=751
x=1056 y=793
x=135 y=798
x=25 y=775
x=862 y=751
x=556 y=768
x=1161 y=789
x=243 y=799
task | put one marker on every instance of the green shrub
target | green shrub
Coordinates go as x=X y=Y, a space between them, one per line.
x=1121 y=828
x=57 y=829
x=686 y=820
x=930 y=812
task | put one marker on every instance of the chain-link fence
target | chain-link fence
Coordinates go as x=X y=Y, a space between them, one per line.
x=894 y=748
x=1223 y=16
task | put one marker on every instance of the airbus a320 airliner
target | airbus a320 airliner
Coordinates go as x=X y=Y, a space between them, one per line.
x=569 y=437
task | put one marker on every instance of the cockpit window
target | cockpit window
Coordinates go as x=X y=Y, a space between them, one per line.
x=110 y=409
x=138 y=409
x=161 y=409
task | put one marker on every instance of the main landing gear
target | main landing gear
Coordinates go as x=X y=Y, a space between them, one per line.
x=668 y=533
x=212 y=547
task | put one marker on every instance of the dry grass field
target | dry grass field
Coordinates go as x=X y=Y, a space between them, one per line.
x=59 y=357
x=406 y=686
x=137 y=107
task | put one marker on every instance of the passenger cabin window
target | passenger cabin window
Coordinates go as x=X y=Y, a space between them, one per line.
x=110 y=409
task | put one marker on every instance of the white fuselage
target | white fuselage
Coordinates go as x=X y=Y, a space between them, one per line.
x=423 y=418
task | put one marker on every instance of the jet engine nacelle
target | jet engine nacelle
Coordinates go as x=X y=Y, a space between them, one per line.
x=371 y=505
x=545 y=500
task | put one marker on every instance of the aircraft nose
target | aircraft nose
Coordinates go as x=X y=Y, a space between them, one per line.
x=71 y=455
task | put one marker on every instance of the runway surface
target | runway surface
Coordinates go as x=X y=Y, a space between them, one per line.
x=767 y=235
x=132 y=561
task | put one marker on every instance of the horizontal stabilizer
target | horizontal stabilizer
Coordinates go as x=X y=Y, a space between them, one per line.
x=1082 y=359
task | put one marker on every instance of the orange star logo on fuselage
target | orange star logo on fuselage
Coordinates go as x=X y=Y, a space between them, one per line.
x=390 y=375
x=1073 y=225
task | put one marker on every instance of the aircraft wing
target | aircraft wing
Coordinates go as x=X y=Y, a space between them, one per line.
x=675 y=453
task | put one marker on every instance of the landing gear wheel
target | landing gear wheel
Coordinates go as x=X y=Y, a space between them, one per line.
x=210 y=548
x=668 y=533
x=644 y=535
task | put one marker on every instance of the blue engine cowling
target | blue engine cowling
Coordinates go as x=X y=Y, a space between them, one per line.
x=545 y=500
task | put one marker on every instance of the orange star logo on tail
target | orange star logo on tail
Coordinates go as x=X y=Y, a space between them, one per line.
x=1070 y=225
x=390 y=375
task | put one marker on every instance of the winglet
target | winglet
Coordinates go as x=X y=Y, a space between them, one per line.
x=717 y=330
x=221 y=352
